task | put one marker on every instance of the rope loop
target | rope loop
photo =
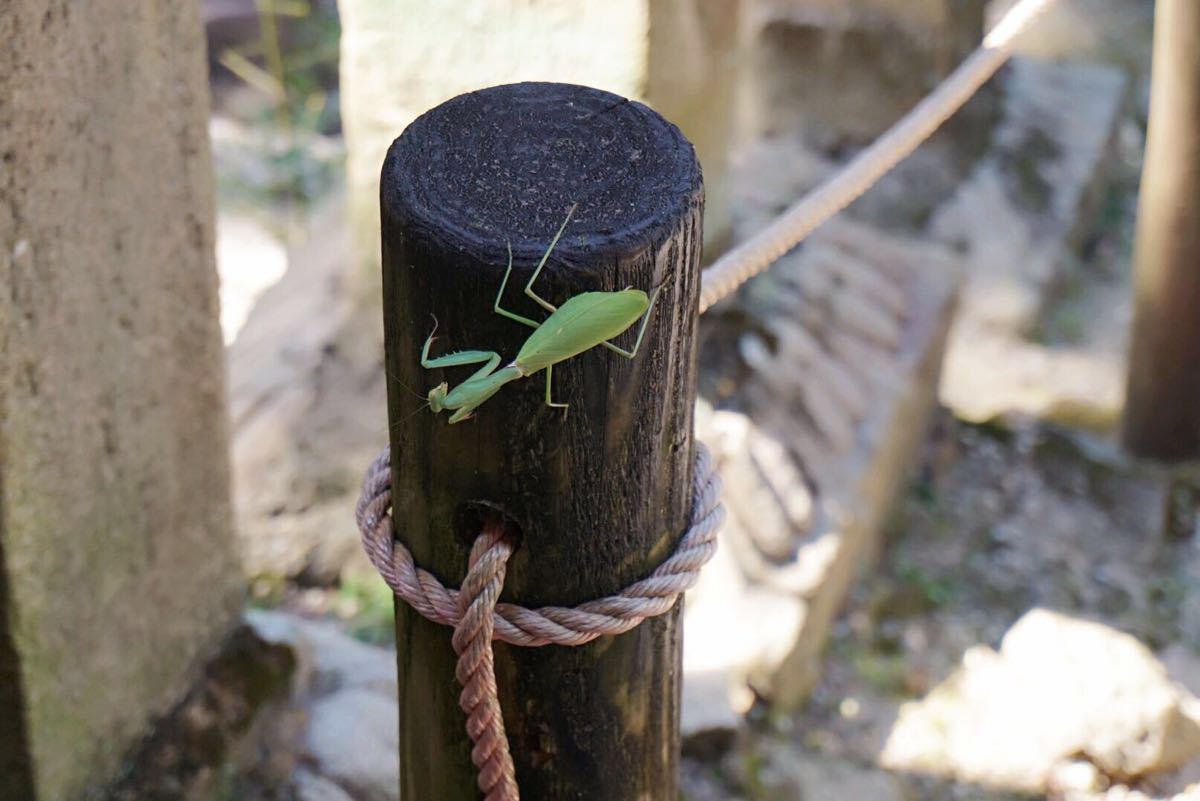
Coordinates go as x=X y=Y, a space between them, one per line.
x=548 y=625
x=478 y=618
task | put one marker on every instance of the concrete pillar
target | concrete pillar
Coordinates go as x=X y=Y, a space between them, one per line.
x=117 y=574
x=402 y=57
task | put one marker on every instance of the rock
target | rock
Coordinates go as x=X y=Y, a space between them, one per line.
x=1121 y=792
x=352 y=735
x=307 y=401
x=786 y=774
x=239 y=719
x=1059 y=689
x=328 y=658
x=699 y=781
x=1074 y=777
x=309 y=786
x=249 y=261
x=1183 y=666
x=353 y=738
x=280 y=628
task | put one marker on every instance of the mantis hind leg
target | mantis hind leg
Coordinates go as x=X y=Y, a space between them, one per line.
x=549 y=402
x=629 y=354
x=498 y=309
x=538 y=299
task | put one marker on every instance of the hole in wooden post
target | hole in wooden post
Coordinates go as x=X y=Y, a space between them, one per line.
x=473 y=515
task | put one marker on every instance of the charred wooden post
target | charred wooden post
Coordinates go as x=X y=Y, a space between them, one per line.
x=1162 y=410
x=599 y=493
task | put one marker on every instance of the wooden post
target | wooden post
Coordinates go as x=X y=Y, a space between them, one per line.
x=1162 y=410
x=599 y=493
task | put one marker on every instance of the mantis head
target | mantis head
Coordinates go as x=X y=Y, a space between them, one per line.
x=437 y=397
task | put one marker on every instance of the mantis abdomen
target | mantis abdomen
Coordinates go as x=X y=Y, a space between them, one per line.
x=580 y=324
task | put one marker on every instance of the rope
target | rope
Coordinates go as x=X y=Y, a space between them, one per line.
x=549 y=625
x=476 y=670
x=478 y=618
x=841 y=189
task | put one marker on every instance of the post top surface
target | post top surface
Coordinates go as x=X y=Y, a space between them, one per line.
x=504 y=164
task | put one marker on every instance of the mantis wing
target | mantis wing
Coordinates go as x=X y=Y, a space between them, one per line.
x=581 y=323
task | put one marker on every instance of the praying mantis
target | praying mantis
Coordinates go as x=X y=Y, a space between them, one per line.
x=585 y=321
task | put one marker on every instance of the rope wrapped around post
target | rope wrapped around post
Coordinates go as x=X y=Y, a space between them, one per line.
x=478 y=618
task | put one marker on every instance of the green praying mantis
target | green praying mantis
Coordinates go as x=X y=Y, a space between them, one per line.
x=581 y=323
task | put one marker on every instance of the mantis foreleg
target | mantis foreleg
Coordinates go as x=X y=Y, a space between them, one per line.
x=461 y=358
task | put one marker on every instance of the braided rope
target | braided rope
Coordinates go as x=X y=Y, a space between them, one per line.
x=478 y=618
x=844 y=187
x=547 y=625
x=476 y=670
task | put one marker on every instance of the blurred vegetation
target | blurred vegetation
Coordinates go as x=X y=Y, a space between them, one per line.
x=362 y=601
x=293 y=69
x=367 y=603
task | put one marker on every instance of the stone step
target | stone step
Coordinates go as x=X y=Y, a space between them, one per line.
x=824 y=372
x=1019 y=219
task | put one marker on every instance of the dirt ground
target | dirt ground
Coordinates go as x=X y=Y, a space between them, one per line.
x=996 y=523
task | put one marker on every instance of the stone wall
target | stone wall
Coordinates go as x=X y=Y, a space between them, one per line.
x=402 y=57
x=116 y=567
